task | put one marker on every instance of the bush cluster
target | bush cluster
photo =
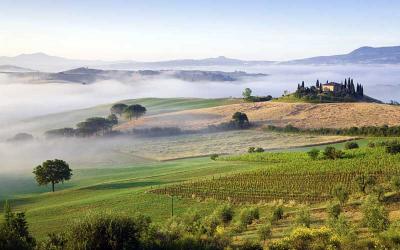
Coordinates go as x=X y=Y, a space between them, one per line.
x=255 y=150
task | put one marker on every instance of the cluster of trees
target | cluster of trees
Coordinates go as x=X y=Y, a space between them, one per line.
x=91 y=126
x=346 y=91
x=378 y=131
x=100 y=126
x=129 y=111
x=250 y=98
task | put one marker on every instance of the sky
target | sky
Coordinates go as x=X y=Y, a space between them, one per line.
x=154 y=30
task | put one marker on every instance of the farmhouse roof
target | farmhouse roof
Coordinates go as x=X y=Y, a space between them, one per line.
x=331 y=84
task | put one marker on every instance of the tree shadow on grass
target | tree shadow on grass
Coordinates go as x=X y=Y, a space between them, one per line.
x=122 y=185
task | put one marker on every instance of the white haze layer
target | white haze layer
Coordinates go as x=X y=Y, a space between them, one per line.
x=20 y=101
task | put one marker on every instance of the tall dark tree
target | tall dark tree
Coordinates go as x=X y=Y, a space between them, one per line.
x=135 y=111
x=52 y=172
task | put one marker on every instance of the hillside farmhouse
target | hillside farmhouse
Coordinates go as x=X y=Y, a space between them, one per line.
x=331 y=87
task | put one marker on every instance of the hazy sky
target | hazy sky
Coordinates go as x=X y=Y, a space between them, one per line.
x=157 y=30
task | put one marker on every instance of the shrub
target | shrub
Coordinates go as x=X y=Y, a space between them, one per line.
x=54 y=242
x=250 y=245
x=14 y=232
x=342 y=228
x=371 y=144
x=393 y=147
x=248 y=215
x=259 y=150
x=277 y=213
x=214 y=157
x=340 y=193
x=391 y=237
x=306 y=238
x=192 y=221
x=105 y=232
x=313 y=153
x=210 y=224
x=375 y=217
x=334 y=210
x=365 y=181
x=303 y=218
x=333 y=153
x=225 y=213
x=264 y=232
x=395 y=182
x=251 y=150
x=351 y=145
x=379 y=191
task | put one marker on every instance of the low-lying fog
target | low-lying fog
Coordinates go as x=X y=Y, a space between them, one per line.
x=20 y=100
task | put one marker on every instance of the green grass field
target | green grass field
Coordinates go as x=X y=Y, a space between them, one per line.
x=121 y=190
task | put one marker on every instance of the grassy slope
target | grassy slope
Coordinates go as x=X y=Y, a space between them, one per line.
x=154 y=106
x=122 y=190
x=119 y=190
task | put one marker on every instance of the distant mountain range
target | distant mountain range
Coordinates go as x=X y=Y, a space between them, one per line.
x=363 y=55
x=44 y=62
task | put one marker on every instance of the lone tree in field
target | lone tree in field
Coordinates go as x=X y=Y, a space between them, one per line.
x=240 y=119
x=247 y=93
x=118 y=109
x=135 y=110
x=52 y=171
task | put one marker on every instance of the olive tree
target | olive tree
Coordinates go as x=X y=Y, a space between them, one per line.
x=52 y=172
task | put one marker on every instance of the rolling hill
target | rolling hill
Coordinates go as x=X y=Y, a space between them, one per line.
x=301 y=115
